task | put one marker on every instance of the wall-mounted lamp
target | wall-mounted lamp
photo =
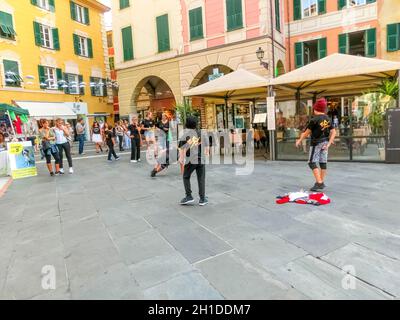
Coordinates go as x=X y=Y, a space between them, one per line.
x=260 y=56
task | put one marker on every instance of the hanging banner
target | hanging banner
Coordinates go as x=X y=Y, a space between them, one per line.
x=271 y=113
x=21 y=157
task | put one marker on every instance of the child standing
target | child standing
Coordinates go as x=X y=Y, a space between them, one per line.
x=110 y=141
x=322 y=135
x=191 y=150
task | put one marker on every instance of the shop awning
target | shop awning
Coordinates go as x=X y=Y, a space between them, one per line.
x=18 y=111
x=336 y=74
x=237 y=84
x=47 y=110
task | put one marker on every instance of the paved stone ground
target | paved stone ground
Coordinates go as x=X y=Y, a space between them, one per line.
x=112 y=232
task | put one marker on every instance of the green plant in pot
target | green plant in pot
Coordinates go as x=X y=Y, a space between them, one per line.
x=184 y=110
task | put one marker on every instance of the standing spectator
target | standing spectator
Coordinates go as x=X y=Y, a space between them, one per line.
x=119 y=130
x=148 y=128
x=110 y=141
x=80 y=133
x=71 y=137
x=127 y=138
x=48 y=140
x=62 y=134
x=96 y=136
x=134 y=130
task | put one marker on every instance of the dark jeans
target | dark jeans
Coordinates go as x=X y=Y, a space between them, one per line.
x=120 y=141
x=67 y=148
x=201 y=178
x=81 y=139
x=111 y=151
x=135 y=148
x=52 y=152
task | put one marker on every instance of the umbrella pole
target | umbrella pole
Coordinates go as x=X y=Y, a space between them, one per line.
x=12 y=126
x=272 y=140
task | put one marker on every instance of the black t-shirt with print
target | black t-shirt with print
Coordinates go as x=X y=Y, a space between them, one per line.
x=320 y=126
x=96 y=130
x=109 y=136
x=148 y=123
x=134 y=130
x=192 y=142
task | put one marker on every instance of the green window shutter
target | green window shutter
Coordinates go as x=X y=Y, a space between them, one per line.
x=370 y=50
x=104 y=87
x=393 y=37
x=123 y=4
x=163 y=33
x=66 y=89
x=34 y=2
x=73 y=10
x=322 y=48
x=76 y=44
x=299 y=54
x=321 y=6
x=12 y=66
x=371 y=1
x=341 y=4
x=234 y=14
x=81 y=89
x=52 y=6
x=127 y=43
x=92 y=88
x=42 y=77
x=196 y=23
x=87 y=19
x=277 y=15
x=56 y=39
x=6 y=24
x=59 y=78
x=36 y=29
x=296 y=9
x=90 y=47
x=343 y=43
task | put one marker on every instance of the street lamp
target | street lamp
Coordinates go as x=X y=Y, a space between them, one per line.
x=260 y=56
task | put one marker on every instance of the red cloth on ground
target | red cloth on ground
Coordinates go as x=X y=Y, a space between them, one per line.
x=317 y=198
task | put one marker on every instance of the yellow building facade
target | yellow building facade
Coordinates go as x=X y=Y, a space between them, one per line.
x=389 y=20
x=55 y=51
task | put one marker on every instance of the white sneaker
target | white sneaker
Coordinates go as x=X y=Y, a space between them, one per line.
x=139 y=160
x=71 y=170
x=133 y=161
x=62 y=170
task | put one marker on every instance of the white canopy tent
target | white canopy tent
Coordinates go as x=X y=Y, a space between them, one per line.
x=47 y=110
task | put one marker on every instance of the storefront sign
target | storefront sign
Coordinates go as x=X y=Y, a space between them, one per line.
x=271 y=113
x=216 y=74
x=21 y=157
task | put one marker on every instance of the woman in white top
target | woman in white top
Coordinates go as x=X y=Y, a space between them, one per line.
x=96 y=136
x=62 y=134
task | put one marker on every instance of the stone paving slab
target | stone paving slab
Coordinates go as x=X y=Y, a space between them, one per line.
x=113 y=232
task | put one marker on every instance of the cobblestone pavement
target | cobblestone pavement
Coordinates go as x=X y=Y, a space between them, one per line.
x=112 y=232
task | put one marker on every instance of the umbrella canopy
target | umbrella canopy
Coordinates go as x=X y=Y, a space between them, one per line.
x=334 y=75
x=48 y=110
x=18 y=111
x=238 y=84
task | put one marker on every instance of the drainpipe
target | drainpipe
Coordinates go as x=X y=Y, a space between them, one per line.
x=272 y=38
x=288 y=24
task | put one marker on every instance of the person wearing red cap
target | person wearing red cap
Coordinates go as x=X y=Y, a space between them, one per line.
x=322 y=135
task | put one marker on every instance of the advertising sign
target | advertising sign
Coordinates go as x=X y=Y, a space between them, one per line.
x=21 y=157
x=271 y=113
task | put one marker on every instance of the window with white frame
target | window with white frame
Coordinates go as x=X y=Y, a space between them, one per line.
x=44 y=4
x=83 y=47
x=309 y=8
x=80 y=14
x=51 y=78
x=353 y=3
x=98 y=86
x=46 y=36
x=73 y=83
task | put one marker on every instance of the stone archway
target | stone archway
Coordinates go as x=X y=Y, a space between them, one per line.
x=154 y=94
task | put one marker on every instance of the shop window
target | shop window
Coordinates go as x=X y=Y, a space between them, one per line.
x=234 y=14
x=83 y=46
x=308 y=8
x=361 y=43
x=309 y=51
x=73 y=84
x=98 y=87
x=79 y=13
x=6 y=26
x=12 y=77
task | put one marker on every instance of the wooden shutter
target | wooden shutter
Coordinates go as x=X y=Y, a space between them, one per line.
x=234 y=14
x=66 y=89
x=343 y=43
x=90 y=47
x=123 y=4
x=87 y=19
x=299 y=54
x=393 y=37
x=196 y=23
x=76 y=44
x=92 y=88
x=296 y=9
x=72 y=6
x=321 y=6
x=59 y=78
x=163 y=33
x=341 y=4
x=52 y=6
x=370 y=35
x=127 y=44
x=322 y=48
x=12 y=66
x=42 y=76
x=56 y=39
x=104 y=87
x=34 y=2
x=36 y=30
x=371 y=1
x=277 y=16
x=81 y=90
